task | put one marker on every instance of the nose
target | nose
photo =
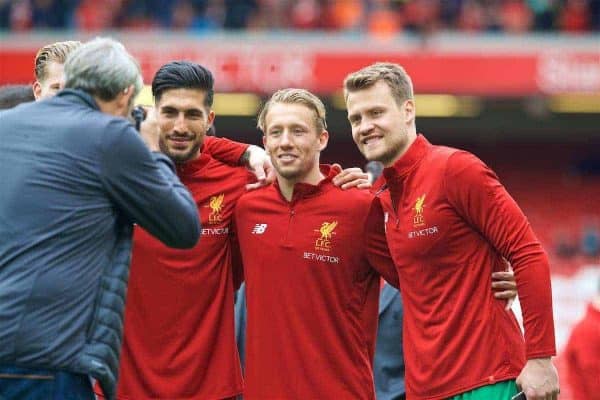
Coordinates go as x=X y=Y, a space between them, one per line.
x=180 y=126
x=365 y=127
x=286 y=139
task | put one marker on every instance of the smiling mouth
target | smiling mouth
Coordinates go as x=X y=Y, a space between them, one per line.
x=371 y=140
x=180 y=139
x=286 y=157
x=179 y=143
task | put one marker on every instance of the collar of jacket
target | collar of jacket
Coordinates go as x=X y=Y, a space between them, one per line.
x=79 y=96
x=304 y=190
x=409 y=160
x=192 y=167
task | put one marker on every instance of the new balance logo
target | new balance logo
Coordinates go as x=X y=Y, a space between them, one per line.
x=259 y=229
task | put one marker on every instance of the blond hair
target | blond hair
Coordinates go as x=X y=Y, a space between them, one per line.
x=295 y=96
x=55 y=52
x=392 y=74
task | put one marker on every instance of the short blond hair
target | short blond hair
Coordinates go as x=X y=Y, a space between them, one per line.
x=392 y=74
x=55 y=52
x=295 y=96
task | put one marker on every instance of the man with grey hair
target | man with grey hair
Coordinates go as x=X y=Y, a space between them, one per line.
x=105 y=70
x=76 y=177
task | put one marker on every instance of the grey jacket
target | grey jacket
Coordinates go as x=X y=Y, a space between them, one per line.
x=388 y=368
x=73 y=180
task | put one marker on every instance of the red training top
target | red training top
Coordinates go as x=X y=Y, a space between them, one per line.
x=224 y=150
x=450 y=223
x=311 y=289
x=582 y=356
x=179 y=327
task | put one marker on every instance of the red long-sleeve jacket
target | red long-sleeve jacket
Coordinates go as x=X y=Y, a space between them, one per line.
x=179 y=326
x=312 y=288
x=450 y=223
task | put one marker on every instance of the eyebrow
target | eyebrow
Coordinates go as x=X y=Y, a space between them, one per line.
x=292 y=125
x=186 y=110
x=368 y=109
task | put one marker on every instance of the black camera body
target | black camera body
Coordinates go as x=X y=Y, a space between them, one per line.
x=139 y=115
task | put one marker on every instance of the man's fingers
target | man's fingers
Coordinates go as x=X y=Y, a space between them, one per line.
x=270 y=173
x=503 y=282
x=506 y=294
x=544 y=393
x=541 y=393
x=359 y=183
x=503 y=276
x=256 y=185
x=259 y=163
x=341 y=178
x=504 y=285
x=350 y=177
x=259 y=173
x=265 y=175
x=531 y=394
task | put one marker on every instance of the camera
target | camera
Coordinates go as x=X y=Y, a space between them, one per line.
x=138 y=114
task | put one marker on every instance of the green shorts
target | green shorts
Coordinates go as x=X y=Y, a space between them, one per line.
x=499 y=391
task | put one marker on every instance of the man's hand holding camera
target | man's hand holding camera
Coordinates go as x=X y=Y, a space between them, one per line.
x=149 y=129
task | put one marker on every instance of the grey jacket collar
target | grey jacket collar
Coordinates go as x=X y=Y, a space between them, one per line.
x=79 y=96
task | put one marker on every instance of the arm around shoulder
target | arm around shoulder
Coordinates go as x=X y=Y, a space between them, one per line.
x=225 y=150
x=378 y=253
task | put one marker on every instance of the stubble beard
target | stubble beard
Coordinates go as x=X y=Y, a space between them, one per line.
x=291 y=174
x=287 y=173
x=391 y=152
x=179 y=158
x=387 y=157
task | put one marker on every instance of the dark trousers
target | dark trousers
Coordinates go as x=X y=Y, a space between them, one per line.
x=39 y=384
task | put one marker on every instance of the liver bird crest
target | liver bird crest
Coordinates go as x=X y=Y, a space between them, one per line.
x=327 y=229
x=419 y=205
x=216 y=203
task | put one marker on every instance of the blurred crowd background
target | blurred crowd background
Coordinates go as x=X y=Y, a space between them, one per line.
x=379 y=16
